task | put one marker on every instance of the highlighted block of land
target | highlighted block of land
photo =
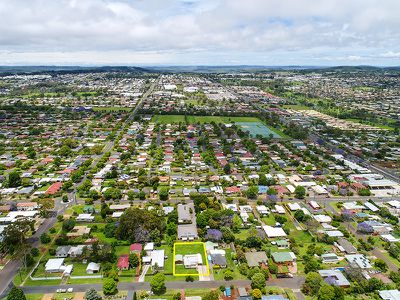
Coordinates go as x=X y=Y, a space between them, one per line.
x=190 y=259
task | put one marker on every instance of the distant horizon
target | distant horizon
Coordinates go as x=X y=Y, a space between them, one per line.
x=195 y=65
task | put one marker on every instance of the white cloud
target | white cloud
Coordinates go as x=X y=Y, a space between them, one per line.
x=391 y=54
x=66 y=28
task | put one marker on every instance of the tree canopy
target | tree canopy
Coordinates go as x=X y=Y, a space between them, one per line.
x=138 y=225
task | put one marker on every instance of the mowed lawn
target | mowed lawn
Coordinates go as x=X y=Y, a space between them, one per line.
x=189 y=248
x=168 y=119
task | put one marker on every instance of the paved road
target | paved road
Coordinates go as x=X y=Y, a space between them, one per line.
x=290 y=283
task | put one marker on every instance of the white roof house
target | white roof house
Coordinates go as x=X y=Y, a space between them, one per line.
x=119 y=206
x=148 y=247
x=92 y=268
x=323 y=218
x=262 y=209
x=192 y=260
x=279 y=209
x=360 y=260
x=294 y=206
x=157 y=258
x=394 y=203
x=54 y=265
x=290 y=188
x=389 y=238
x=319 y=190
x=371 y=207
x=117 y=214
x=273 y=232
x=352 y=205
x=390 y=294
x=85 y=218
x=334 y=233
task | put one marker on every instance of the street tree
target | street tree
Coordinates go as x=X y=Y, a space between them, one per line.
x=258 y=281
x=16 y=294
x=110 y=286
x=157 y=284
x=92 y=294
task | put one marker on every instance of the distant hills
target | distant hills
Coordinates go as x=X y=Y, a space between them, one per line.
x=9 y=70
x=68 y=69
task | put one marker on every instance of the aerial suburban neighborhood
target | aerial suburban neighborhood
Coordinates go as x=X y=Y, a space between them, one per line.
x=199 y=150
x=184 y=183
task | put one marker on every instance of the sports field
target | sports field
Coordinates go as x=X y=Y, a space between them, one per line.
x=256 y=128
x=165 y=119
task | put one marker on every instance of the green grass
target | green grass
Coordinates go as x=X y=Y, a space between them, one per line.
x=190 y=248
x=242 y=234
x=169 y=119
x=85 y=281
x=186 y=249
x=219 y=273
x=30 y=282
x=121 y=250
x=34 y=296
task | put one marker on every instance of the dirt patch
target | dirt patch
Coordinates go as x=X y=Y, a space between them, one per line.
x=79 y=296
x=47 y=296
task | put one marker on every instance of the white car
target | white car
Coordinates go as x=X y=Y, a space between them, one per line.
x=70 y=290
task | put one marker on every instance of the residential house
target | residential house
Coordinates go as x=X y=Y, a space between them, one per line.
x=345 y=246
x=192 y=261
x=334 y=277
x=135 y=248
x=255 y=259
x=92 y=268
x=62 y=251
x=55 y=265
x=123 y=262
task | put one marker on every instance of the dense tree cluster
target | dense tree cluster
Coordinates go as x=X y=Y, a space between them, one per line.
x=138 y=225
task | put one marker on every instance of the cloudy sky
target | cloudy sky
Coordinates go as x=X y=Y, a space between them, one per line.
x=199 y=32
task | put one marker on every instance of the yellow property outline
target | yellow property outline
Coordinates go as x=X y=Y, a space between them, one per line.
x=192 y=274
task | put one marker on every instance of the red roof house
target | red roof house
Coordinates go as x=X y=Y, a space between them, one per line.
x=123 y=262
x=54 y=188
x=135 y=248
x=232 y=190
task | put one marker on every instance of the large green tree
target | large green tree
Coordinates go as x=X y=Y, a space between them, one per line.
x=14 y=179
x=211 y=295
x=258 y=281
x=137 y=225
x=326 y=292
x=16 y=294
x=110 y=286
x=92 y=294
x=157 y=284
x=300 y=192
